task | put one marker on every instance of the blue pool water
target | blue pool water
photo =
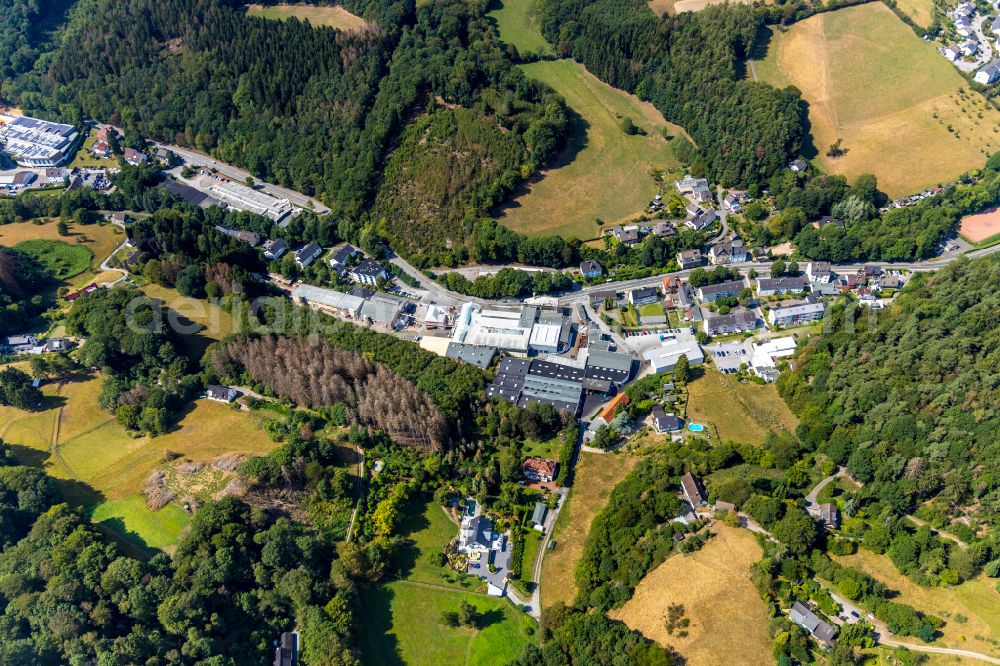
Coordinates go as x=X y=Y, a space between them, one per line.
x=695 y=427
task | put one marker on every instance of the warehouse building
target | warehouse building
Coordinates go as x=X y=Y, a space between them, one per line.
x=37 y=143
x=248 y=199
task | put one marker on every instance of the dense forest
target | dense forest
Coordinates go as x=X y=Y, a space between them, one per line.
x=906 y=398
x=415 y=126
x=22 y=278
x=691 y=67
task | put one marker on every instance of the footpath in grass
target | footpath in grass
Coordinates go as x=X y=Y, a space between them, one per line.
x=595 y=477
x=971 y=611
x=401 y=619
x=517 y=23
x=604 y=172
x=713 y=585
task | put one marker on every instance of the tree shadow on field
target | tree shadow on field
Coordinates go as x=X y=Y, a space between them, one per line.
x=489 y=618
x=378 y=646
x=576 y=141
x=414 y=520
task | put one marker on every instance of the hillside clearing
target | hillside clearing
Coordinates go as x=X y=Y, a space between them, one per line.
x=604 y=172
x=901 y=110
x=98 y=239
x=739 y=412
x=518 y=24
x=595 y=477
x=713 y=584
x=333 y=16
x=199 y=322
x=976 y=599
x=103 y=469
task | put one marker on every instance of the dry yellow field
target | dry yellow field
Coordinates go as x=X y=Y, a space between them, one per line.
x=604 y=172
x=333 y=16
x=921 y=11
x=727 y=615
x=595 y=476
x=740 y=412
x=199 y=322
x=976 y=599
x=901 y=111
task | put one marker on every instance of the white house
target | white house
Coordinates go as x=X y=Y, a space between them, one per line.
x=988 y=74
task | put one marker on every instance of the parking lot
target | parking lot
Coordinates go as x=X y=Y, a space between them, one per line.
x=728 y=356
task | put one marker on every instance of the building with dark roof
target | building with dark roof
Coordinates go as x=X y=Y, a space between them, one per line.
x=275 y=248
x=287 y=651
x=801 y=615
x=609 y=366
x=368 y=272
x=591 y=269
x=643 y=296
x=784 y=285
x=692 y=490
x=307 y=254
x=477 y=355
x=538 y=516
x=829 y=515
x=727 y=289
x=248 y=237
x=665 y=422
x=734 y=322
x=523 y=382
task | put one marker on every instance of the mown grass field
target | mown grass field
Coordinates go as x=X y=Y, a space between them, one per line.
x=99 y=239
x=595 y=477
x=400 y=620
x=102 y=468
x=60 y=259
x=713 y=584
x=518 y=24
x=604 y=173
x=739 y=412
x=333 y=16
x=901 y=110
x=400 y=623
x=976 y=599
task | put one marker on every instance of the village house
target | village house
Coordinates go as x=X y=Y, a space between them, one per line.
x=728 y=289
x=829 y=515
x=590 y=269
x=826 y=220
x=484 y=546
x=664 y=229
x=609 y=412
x=341 y=257
x=307 y=254
x=643 y=296
x=134 y=157
x=793 y=315
x=989 y=74
x=539 y=470
x=57 y=175
x=690 y=259
x=728 y=252
x=664 y=422
x=368 y=272
x=805 y=618
x=695 y=189
x=221 y=393
x=702 y=219
x=798 y=166
x=781 y=286
x=274 y=249
x=248 y=237
x=733 y=202
x=627 y=235
x=692 y=491
x=734 y=322
x=20 y=344
x=819 y=272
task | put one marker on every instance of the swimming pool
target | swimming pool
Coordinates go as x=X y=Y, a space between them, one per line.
x=695 y=427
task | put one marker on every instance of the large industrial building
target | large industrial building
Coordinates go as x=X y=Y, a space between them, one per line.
x=528 y=329
x=248 y=199
x=37 y=143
